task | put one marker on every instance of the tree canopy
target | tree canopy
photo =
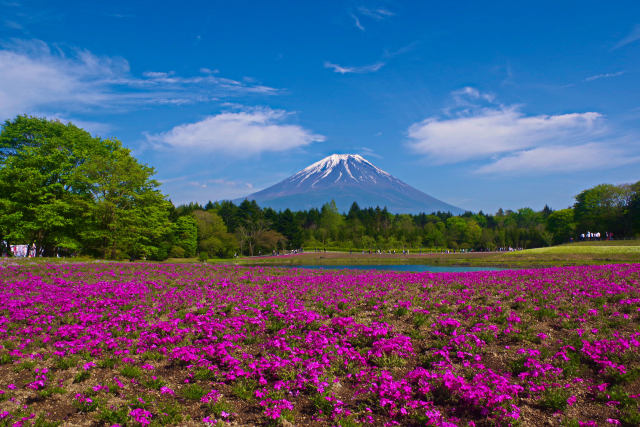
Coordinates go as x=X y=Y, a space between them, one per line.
x=65 y=190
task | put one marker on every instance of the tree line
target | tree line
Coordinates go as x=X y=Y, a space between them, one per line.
x=66 y=192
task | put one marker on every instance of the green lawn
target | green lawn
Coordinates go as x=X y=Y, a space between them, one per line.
x=598 y=248
x=635 y=242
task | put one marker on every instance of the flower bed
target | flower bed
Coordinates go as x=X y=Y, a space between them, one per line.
x=158 y=344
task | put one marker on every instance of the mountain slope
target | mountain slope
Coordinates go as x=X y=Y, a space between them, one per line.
x=346 y=178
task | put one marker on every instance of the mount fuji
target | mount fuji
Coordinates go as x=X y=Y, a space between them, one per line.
x=346 y=178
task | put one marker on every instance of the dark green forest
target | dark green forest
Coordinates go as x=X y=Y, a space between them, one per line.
x=67 y=192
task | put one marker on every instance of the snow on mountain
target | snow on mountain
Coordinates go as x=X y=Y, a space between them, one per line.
x=344 y=166
x=346 y=178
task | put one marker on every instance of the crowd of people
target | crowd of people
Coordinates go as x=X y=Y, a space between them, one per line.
x=596 y=236
x=20 y=251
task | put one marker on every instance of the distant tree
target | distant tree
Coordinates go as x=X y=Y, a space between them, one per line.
x=288 y=227
x=271 y=240
x=330 y=222
x=213 y=238
x=561 y=225
x=185 y=231
x=633 y=211
x=456 y=229
x=601 y=209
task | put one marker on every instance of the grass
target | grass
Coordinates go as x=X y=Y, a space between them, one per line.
x=576 y=253
x=583 y=249
x=580 y=253
x=193 y=392
x=129 y=371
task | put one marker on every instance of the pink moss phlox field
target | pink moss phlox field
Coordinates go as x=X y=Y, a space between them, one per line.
x=158 y=344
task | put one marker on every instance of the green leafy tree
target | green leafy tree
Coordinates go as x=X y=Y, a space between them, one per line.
x=331 y=222
x=127 y=215
x=633 y=212
x=185 y=232
x=602 y=208
x=38 y=185
x=213 y=238
x=64 y=189
x=561 y=225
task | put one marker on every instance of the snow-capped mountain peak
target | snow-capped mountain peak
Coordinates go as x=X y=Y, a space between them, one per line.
x=338 y=168
x=347 y=178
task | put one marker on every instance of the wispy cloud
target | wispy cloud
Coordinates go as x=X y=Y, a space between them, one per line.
x=198 y=188
x=239 y=134
x=388 y=54
x=633 y=36
x=377 y=14
x=603 y=76
x=356 y=22
x=372 y=68
x=14 y=25
x=368 y=152
x=468 y=94
x=93 y=127
x=36 y=76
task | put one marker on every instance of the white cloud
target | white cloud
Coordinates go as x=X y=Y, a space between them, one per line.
x=604 y=76
x=560 y=158
x=35 y=76
x=354 y=70
x=239 y=133
x=504 y=140
x=633 y=36
x=494 y=131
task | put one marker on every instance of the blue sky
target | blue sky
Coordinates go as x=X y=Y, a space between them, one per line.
x=481 y=105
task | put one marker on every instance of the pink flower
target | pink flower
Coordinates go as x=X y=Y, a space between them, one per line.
x=167 y=390
x=140 y=415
